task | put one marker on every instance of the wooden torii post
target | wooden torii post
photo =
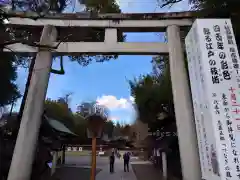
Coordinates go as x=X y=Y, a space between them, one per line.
x=111 y=23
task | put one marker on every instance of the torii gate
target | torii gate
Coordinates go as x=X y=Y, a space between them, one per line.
x=163 y=22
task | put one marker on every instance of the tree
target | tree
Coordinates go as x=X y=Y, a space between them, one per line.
x=9 y=91
x=221 y=9
x=95 y=7
x=214 y=9
x=87 y=108
x=154 y=102
x=8 y=66
x=153 y=94
x=102 y=6
x=80 y=128
x=126 y=130
x=46 y=140
x=42 y=8
x=60 y=110
x=108 y=128
x=117 y=130
x=83 y=108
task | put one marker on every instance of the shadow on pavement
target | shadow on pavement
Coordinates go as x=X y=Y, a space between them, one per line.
x=146 y=171
x=72 y=173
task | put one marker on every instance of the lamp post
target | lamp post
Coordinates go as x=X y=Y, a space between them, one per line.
x=96 y=118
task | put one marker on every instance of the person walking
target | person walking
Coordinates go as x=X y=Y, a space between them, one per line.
x=126 y=158
x=112 y=160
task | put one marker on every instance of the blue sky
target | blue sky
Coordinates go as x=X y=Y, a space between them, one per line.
x=106 y=82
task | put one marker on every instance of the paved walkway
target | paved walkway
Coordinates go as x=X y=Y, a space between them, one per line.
x=145 y=170
x=139 y=170
x=118 y=174
x=72 y=173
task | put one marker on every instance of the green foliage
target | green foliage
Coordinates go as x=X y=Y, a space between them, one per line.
x=89 y=108
x=59 y=110
x=214 y=9
x=221 y=9
x=80 y=127
x=108 y=128
x=99 y=6
x=102 y=6
x=84 y=107
x=85 y=60
x=9 y=91
x=83 y=111
x=46 y=6
x=42 y=7
x=153 y=93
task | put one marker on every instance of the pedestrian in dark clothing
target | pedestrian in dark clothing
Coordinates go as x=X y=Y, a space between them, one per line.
x=126 y=158
x=112 y=160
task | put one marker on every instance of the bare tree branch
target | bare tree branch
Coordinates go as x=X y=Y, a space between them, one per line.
x=169 y=2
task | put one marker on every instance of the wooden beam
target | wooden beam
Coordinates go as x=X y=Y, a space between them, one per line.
x=96 y=48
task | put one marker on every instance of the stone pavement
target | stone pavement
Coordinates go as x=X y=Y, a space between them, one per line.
x=72 y=173
x=139 y=170
x=145 y=170
x=118 y=174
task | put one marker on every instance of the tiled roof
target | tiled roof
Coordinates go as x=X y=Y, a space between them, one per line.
x=57 y=125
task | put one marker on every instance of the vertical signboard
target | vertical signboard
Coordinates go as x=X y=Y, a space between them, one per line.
x=218 y=93
x=198 y=98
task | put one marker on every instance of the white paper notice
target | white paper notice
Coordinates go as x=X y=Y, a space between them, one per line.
x=213 y=62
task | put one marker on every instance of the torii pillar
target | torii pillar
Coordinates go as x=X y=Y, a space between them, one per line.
x=186 y=128
x=24 y=152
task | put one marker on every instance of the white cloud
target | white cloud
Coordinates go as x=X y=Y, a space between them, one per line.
x=112 y=102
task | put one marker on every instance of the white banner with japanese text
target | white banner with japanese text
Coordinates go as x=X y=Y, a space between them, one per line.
x=217 y=89
x=203 y=129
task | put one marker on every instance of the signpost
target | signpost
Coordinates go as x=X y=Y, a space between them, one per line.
x=215 y=84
